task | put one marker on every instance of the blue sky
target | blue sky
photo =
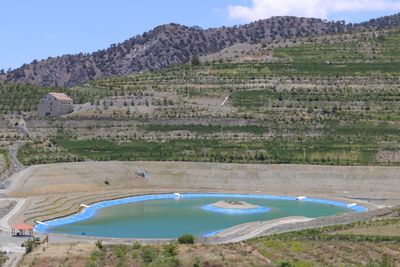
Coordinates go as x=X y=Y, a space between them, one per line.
x=37 y=29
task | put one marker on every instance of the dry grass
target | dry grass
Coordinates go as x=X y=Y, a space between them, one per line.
x=376 y=228
x=72 y=254
x=327 y=253
x=388 y=230
x=238 y=254
x=261 y=252
x=85 y=254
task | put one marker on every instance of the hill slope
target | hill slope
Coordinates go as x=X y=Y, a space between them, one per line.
x=173 y=44
x=320 y=100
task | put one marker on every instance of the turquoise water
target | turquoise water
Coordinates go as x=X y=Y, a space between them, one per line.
x=170 y=218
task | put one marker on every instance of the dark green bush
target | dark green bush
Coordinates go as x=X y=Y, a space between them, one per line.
x=186 y=239
x=149 y=253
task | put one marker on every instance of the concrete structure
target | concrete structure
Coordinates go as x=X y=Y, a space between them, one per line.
x=55 y=104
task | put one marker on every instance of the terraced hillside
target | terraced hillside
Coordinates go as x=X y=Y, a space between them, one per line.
x=322 y=100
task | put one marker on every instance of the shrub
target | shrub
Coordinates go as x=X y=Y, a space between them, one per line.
x=171 y=249
x=99 y=244
x=29 y=246
x=136 y=245
x=286 y=264
x=186 y=239
x=165 y=262
x=149 y=254
x=195 y=61
x=196 y=262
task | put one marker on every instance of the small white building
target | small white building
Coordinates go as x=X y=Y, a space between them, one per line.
x=55 y=104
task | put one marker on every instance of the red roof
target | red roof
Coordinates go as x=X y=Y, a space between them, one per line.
x=61 y=96
x=22 y=226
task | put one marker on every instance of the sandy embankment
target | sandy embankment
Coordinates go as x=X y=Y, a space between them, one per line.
x=253 y=229
x=351 y=182
x=58 y=189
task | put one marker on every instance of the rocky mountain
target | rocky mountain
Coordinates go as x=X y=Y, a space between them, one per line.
x=382 y=23
x=174 y=44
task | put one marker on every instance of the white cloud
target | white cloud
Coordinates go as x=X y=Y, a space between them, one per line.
x=261 y=9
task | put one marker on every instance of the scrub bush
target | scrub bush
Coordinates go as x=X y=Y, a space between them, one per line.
x=186 y=239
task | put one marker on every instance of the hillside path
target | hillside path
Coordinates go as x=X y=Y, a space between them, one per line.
x=16 y=165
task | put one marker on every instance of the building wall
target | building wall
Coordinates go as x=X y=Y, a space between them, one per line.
x=44 y=108
x=50 y=106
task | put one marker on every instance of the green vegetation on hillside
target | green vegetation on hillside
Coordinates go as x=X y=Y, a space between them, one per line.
x=40 y=153
x=273 y=151
x=324 y=100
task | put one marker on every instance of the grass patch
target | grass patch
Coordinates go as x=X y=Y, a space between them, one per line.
x=274 y=151
x=42 y=153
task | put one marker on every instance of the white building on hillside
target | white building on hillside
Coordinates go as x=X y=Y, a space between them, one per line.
x=55 y=104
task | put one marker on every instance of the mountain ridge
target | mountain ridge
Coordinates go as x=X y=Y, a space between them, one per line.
x=170 y=44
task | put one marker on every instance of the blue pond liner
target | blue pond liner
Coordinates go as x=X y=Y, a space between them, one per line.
x=90 y=211
x=258 y=209
x=213 y=233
